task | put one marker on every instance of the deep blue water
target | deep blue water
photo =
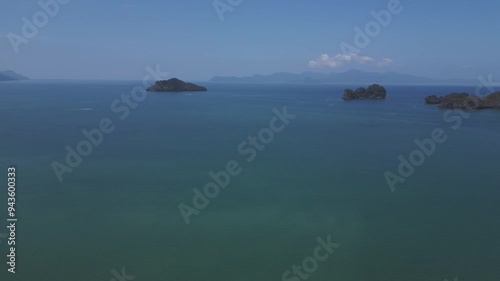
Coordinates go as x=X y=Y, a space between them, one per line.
x=323 y=175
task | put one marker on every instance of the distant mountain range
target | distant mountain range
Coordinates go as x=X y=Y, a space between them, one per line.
x=348 y=77
x=9 y=75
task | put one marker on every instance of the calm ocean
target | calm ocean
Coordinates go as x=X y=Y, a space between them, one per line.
x=323 y=175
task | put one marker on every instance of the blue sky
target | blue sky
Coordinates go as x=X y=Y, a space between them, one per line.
x=117 y=39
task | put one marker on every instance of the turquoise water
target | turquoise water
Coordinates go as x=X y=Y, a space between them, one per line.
x=323 y=175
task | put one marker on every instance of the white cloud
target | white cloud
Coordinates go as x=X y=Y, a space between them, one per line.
x=340 y=60
x=385 y=62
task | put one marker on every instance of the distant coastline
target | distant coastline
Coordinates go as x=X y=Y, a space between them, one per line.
x=9 y=75
x=347 y=77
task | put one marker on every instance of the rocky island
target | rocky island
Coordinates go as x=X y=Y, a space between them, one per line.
x=175 y=85
x=374 y=92
x=465 y=101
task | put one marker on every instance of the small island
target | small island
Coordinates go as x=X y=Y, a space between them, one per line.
x=175 y=85
x=9 y=75
x=374 y=92
x=465 y=101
